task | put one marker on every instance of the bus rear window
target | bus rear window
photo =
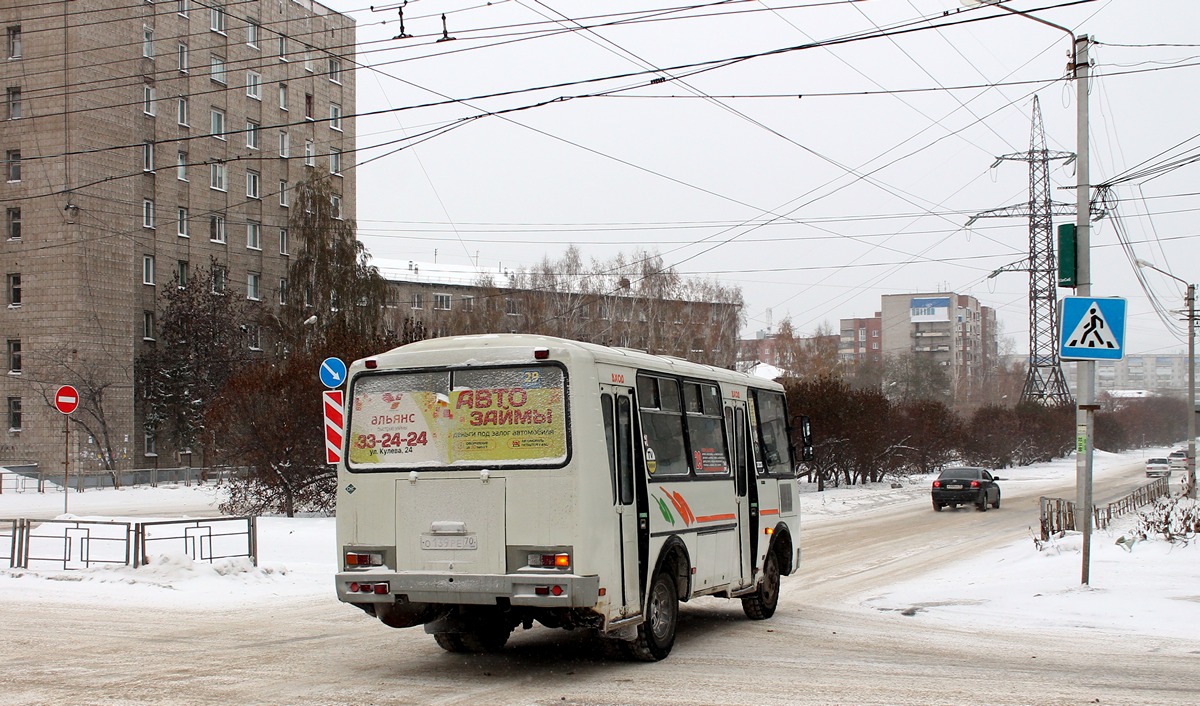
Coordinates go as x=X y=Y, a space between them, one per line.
x=494 y=417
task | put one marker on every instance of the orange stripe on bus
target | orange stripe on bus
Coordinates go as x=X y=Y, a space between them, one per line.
x=715 y=518
x=768 y=512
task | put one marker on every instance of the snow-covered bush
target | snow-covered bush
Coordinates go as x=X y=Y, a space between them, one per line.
x=1173 y=518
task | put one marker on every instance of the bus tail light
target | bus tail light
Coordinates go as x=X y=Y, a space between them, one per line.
x=376 y=588
x=541 y=353
x=548 y=590
x=364 y=559
x=550 y=561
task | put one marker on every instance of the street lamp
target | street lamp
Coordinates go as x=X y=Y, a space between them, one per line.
x=1085 y=412
x=1191 y=307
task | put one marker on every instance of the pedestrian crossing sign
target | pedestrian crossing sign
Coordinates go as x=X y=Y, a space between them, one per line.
x=1091 y=328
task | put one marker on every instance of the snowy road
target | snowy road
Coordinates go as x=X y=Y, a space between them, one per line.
x=822 y=647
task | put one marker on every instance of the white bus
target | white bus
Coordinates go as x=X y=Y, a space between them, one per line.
x=492 y=481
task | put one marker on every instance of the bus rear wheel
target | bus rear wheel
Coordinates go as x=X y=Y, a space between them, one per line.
x=761 y=604
x=656 y=636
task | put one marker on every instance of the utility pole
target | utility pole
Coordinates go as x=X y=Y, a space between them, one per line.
x=1085 y=415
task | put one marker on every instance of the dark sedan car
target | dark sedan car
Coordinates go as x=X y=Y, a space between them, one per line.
x=962 y=486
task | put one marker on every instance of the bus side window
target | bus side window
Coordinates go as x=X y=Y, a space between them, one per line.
x=610 y=440
x=625 y=450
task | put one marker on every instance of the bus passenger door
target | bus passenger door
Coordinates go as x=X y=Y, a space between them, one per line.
x=617 y=403
x=743 y=473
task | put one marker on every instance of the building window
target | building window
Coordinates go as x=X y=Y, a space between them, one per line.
x=14 y=42
x=308 y=61
x=252 y=34
x=335 y=161
x=308 y=106
x=181 y=110
x=335 y=117
x=217 y=173
x=13 y=289
x=216 y=15
x=335 y=69
x=147 y=156
x=12 y=165
x=181 y=273
x=283 y=97
x=14 y=356
x=182 y=54
x=181 y=7
x=285 y=144
x=253 y=284
x=253 y=235
x=148 y=99
x=181 y=165
x=14 y=414
x=151 y=443
x=875 y=333
x=254 y=337
x=417 y=300
x=467 y=303
x=510 y=307
x=252 y=134
x=216 y=228
x=283 y=241
x=283 y=299
x=874 y=346
x=335 y=206
x=13 y=102
x=441 y=302
x=253 y=184
x=217 y=123
x=219 y=276
x=862 y=334
x=217 y=66
x=148 y=269
x=283 y=194
x=13 y=223
x=147 y=213
x=181 y=221
x=281 y=48
x=254 y=85
x=147 y=325
x=310 y=153
x=147 y=41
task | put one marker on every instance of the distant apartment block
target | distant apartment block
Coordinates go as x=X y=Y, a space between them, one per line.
x=1155 y=374
x=458 y=299
x=952 y=330
x=861 y=340
x=141 y=142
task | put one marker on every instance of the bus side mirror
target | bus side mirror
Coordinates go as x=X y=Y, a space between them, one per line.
x=806 y=439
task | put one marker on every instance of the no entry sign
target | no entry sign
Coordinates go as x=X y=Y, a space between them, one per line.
x=66 y=399
x=335 y=424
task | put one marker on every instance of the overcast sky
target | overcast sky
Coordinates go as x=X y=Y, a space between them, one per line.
x=819 y=173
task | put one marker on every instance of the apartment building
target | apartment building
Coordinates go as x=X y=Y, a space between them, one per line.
x=952 y=330
x=443 y=300
x=861 y=339
x=143 y=141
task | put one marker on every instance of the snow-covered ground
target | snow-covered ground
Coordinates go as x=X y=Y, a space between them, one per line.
x=1150 y=587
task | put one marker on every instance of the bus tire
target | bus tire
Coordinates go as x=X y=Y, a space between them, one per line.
x=656 y=635
x=487 y=638
x=450 y=641
x=761 y=604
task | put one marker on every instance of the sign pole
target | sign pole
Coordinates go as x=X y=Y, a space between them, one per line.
x=1085 y=415
x=66 y=459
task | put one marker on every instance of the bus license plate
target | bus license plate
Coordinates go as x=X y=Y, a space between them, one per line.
x=433 y=541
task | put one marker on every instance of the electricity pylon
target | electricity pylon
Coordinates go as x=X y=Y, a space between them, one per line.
x=1044 y=382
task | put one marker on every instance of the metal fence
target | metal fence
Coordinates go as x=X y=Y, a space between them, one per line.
x=80 y=544
x=35 y=481
x=1058 y=515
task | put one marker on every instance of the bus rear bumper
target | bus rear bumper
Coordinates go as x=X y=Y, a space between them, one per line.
x=534 y=590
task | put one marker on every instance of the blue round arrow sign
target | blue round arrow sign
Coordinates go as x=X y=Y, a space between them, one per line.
x=333 y=372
